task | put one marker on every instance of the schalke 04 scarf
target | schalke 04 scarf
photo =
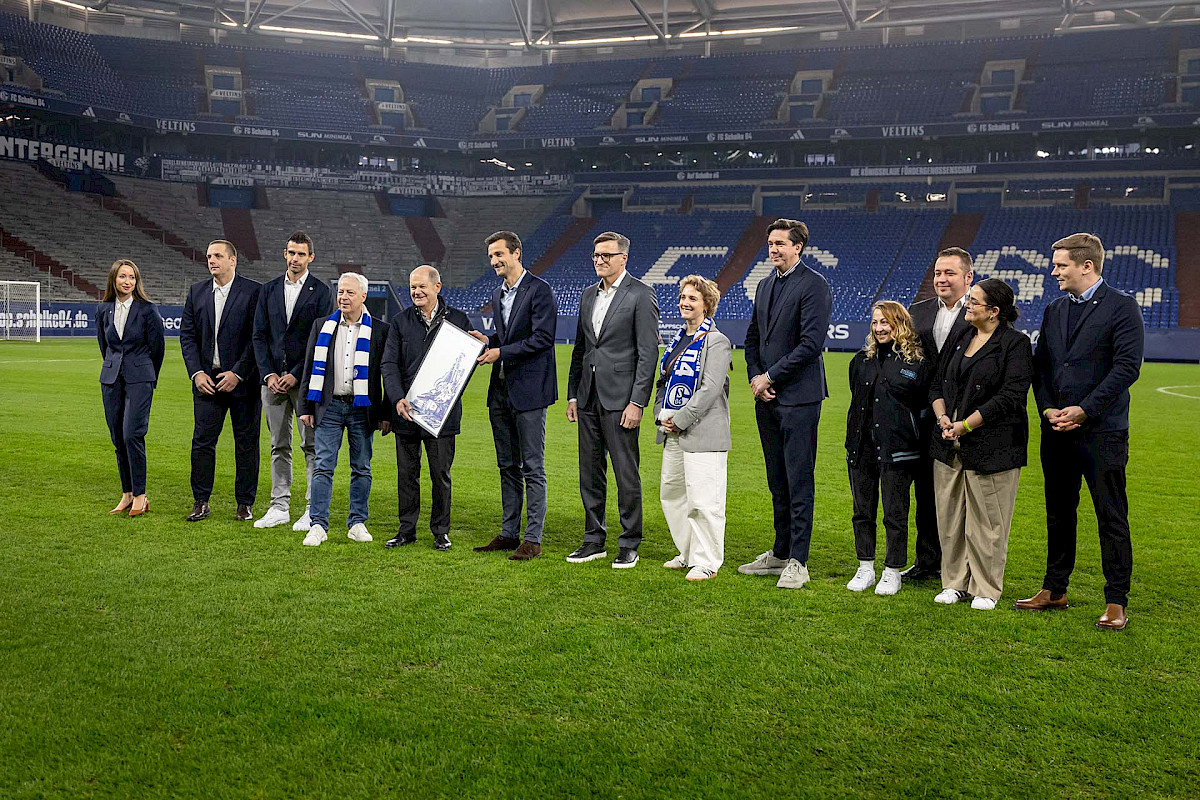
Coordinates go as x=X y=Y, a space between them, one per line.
x=685 y=371
x=362 y=358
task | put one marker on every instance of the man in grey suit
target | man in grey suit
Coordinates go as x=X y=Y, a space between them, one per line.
x=611 y=378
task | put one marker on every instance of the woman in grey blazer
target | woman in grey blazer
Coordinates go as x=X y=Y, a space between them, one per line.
x=692 y=413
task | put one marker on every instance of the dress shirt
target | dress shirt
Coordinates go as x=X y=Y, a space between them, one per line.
x=508 y=296
x=944 y=320
x=220 y=295
x=120 y=315
x=1087 y=295
x=345 y=342
x=771 y=298
x=291 y=293
x=604 y=298
x=428 y=321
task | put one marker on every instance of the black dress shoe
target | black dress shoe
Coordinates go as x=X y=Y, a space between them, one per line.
x=627 y=557
x=588 y=551
x=244 y=513
x=441 y=542
x=401 y=539
x=199 y=511
x=920 y=572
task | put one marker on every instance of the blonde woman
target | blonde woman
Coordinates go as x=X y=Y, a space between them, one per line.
x=692 y=414
x=130 y=333
x=889 y=388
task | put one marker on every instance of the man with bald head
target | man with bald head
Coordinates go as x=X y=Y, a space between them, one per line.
x=409 y=336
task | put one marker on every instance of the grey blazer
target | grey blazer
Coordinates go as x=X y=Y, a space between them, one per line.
x=624 y=358
x=704 y=419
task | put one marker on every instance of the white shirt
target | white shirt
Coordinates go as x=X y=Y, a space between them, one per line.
x=345 y=342
x=604 y=299
x=944 y=321
x=220 y=295
x=508 y=296
x=291 y=293
x=120 y=315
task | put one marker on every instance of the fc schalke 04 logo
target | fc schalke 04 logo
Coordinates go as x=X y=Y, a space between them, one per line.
x=679 y=395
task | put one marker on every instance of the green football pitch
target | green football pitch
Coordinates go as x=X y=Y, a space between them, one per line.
x=149 y=657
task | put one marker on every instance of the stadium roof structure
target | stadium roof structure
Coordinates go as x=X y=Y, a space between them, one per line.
x=555 y=25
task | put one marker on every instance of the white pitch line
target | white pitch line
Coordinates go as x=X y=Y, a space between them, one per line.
x=45 y=360
x=1167 y=390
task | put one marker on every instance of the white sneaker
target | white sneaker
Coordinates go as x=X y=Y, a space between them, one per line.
x=676 y=563
x=765 y=564
x=273 y=517
x=303 y=524
x=949 y=597
x=863 y=579
x=794 y=575
x=889 y=584
x=316 y=535
x=983 y=604
x=358 y=532
x=700 y=574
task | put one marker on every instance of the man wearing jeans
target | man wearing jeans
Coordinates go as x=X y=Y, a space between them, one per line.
x=344 y=392
x=524 y=384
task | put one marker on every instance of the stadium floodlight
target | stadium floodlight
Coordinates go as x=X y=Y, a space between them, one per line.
x=21 y=311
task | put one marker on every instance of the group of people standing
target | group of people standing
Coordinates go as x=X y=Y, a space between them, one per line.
x=937 y=403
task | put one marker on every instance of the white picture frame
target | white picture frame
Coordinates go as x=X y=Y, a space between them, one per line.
x=442 y=376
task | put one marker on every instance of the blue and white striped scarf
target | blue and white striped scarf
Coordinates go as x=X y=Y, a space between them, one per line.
x=362 y=359
x=683 y=373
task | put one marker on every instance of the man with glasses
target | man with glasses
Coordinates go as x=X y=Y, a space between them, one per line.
x=611 y=378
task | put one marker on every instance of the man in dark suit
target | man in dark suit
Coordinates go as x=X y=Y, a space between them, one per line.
x=787 y=375
x=215 y=335
x=937 y=320
x=287 y=307
x=524 y=384
x=1089 y=353
x=411 y=333
x=611 y=379
x=343 y=393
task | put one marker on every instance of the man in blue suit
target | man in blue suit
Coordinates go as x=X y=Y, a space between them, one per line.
x=524 y=384
x=287 y=308
x=215 y=336
x=1089 y=353
x=787 y=375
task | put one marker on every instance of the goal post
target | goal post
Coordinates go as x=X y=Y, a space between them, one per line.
x=21 y=311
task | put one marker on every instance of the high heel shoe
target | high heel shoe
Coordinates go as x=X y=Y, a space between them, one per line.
x=134 y=512
x=120 y=509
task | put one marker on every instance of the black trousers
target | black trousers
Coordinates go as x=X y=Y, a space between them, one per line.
x=789 y=443
x=127 y=412
x=868 y=480
x=245 y=414
x=440 y=453
x=601 y=438
x=1100 y=459
x=929 y=546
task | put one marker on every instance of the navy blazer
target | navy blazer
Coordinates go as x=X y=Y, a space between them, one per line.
x=138 y=356
x=379 y=411
x=789 y=344
x=407 y=342
x=526 y=371
x=924 y=314
x=1094 y=368
x=234 y=338
x=278 y=343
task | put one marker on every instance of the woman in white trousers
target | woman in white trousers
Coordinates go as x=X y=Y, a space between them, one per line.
x=692 y=414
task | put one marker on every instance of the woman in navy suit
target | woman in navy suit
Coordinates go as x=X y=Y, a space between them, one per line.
x=130 y=333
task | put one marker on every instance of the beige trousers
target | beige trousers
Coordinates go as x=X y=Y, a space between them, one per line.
x=692 y=492
x=974 y=513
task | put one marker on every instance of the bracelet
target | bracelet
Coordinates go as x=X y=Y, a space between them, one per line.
x=966 y=426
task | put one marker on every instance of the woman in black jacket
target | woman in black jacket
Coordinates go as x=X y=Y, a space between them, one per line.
x=889 y=387
x=979 y=399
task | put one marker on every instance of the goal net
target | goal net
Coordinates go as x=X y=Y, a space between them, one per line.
x=21 y=311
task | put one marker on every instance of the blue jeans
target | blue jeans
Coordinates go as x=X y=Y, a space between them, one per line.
x=356 y=422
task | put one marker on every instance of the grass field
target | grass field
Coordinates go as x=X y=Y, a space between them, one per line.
x=152 y=658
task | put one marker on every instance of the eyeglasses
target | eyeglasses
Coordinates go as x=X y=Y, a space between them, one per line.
x=971 y=302
x=606 y=257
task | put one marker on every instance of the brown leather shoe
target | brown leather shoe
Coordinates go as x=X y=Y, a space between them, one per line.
x=499 y=543
x=199 y=511
x=527 y=551
x=1044 y=600
x=1114 y=618
x=245 y=513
